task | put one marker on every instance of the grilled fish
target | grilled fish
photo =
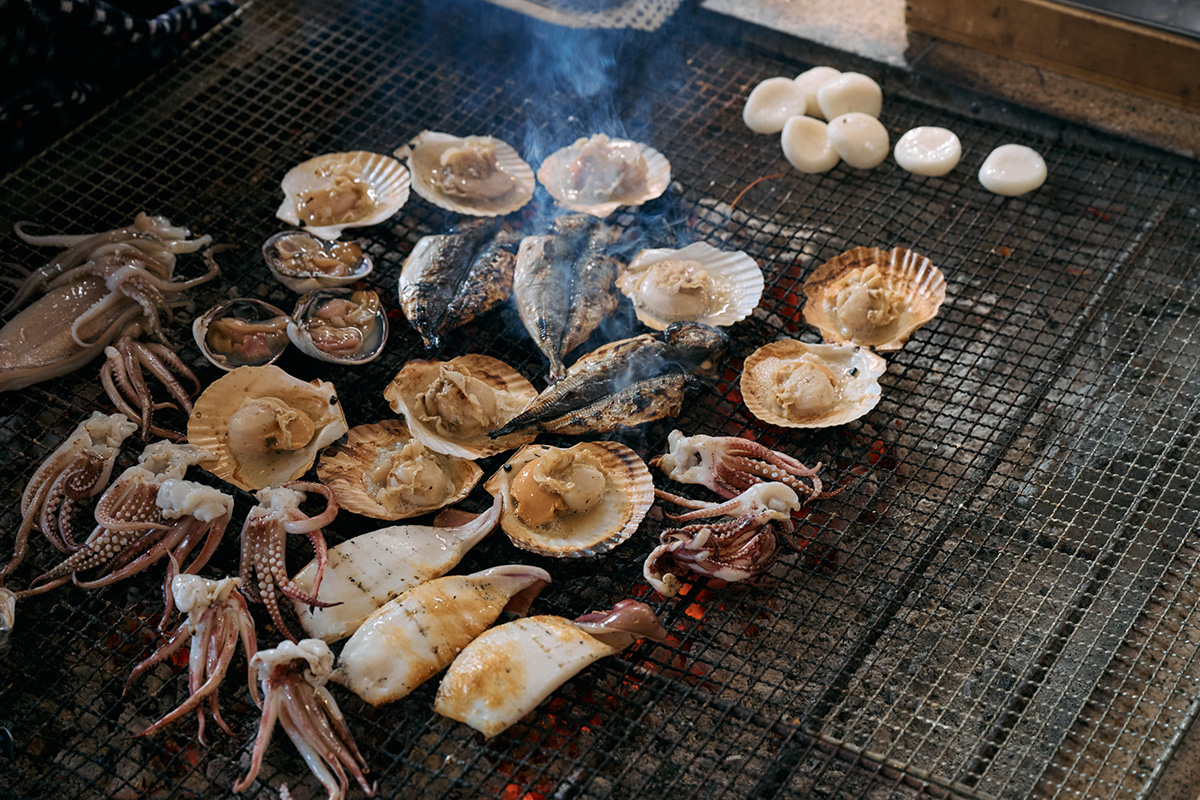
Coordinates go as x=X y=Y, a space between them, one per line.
x=452 y=278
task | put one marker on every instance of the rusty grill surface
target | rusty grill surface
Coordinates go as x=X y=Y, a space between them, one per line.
x=1001 y=603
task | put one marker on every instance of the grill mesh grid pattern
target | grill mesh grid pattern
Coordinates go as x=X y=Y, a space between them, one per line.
x=1000 y=603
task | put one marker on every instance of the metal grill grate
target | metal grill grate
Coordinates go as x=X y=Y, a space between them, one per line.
x=1002 y=601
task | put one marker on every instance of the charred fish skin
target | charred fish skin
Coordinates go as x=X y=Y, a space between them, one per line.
x=594 y=295
x=488 y=283
x=542 y=290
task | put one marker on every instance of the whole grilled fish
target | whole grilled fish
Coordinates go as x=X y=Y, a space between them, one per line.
x=625 y=383
x=452 y=278
x=564 y=285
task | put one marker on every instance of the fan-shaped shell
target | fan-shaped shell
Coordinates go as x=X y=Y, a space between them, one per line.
x=340 y=327
x=567 y=175
x=259 y=405
x=494 y=181
x=698 y=283
x=451 y=405
x=243 y=332
x=627 y=495
x=381 y=471
x=304 y=263
x=799 y=385
x=335 y=191
x=872 y=297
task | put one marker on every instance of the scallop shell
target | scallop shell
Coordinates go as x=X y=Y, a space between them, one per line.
x=852 y=389
x=353 y=472
x=262 y=319
x=299 y=279
x=554 y=169
x=300 y=328
x=385 y=180
x=208 y=425
x=628 y=495
x=424 y=162
x=734 y=285
x=510 y=391
x=902 y=282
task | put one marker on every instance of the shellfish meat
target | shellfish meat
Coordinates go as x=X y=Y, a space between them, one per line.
x=476 y=175
x=241 y=333
x=799 y=385
x=304 y=263
x=597 y=175
x=335 y=191
x=338 y=326
x=698 y=283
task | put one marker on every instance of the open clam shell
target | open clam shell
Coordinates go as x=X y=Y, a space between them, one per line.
x=383 y=472
x=698 y=283
x=339 y=326
x=451 y=405
x=479 y=176
x=612 y=496
x=798 y=385
x=304 y=263
x=597 y=175
x=243 y=332
x=873 y=297
x=335 y=191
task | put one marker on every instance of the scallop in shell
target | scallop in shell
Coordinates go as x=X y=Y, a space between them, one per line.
x=799 y=385
x=698 y=284
x=873 y=297
x=383 y=472
x=304 y=263
x=451 y=405
x=572 y=502
x=263 y=426
x=339 y=326
x=241 y=333
x=335 y=191
x=598 y=175
x=477 y=175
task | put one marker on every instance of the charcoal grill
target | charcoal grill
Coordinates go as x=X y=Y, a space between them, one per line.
x=1001 y=602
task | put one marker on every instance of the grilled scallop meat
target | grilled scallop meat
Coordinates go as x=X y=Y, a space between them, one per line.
x=597 y=175
x=330 y=193
x=799 y=385
x=477 y=175
x=698 y=283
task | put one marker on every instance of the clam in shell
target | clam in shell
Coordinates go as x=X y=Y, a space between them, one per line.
x=598 y=175
x=451 y=405
x=338 y=326
x=383 y=472
x=335 y=191
x=304 y=263
x=799 y=385
x=872 y=297
x=573 y=502
x=478 y=175
x=241 y=333
x=263 y=426
x=696 y=284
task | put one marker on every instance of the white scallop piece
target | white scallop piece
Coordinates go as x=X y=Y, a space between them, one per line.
x=1012 y=169
x=385 y=180
x=860 y=139
x=772 y=103
x=806 y=145
x=812 y=80
x=928 y=151
x=850 y=92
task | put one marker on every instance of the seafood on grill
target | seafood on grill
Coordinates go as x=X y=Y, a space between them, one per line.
x=564 y=285
x=217 y=619
x=335 y=191
x=417 y=634
x=476 y=175
x=262 y=567
x=338 y=326
x=243 y=332
x=728 y=465
x=368 y=570
x=293 y=677
x=304 y=263
x=453 y=406
x=381 y=471
x=798 y=385
x=698 y=283
x=571 y=502
x=510 y=669
x=451 y=278
x=625 y=383
x=264 y=427
x=597 y=175
x=742 y=546
x=874 y=298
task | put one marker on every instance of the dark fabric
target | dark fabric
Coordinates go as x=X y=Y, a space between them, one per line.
x=60 y=60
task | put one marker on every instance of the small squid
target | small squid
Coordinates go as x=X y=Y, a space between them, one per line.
x=729 y=464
